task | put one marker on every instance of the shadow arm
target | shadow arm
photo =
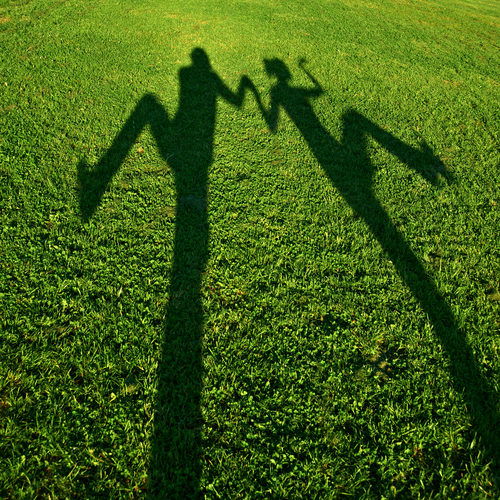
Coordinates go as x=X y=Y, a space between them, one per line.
x=422 y=160
x=317 y=90
x=94 y=182
x=270 y=116
x=235 y=98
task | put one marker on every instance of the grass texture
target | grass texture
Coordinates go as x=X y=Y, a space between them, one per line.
x=249 y=249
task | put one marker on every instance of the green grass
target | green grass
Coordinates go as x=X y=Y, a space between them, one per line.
x=205 y=298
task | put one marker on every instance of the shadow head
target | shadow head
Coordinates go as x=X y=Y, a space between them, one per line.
x=277 y=68
x=200 y=59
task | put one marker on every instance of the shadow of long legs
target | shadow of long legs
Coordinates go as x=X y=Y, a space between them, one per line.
x=175 y=469
x=175 y=461
x=467 y=377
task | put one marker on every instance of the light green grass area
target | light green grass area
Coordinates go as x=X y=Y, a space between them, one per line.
x=249 y=249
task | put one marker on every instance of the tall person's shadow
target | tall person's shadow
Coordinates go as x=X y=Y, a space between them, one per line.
x=186 y=142
x=349 y=168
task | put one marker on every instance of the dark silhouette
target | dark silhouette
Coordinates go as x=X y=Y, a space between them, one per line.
x=348 y=167
x=186 y=142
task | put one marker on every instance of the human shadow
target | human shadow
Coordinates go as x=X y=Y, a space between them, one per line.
x=349 y=168
x=186 y=142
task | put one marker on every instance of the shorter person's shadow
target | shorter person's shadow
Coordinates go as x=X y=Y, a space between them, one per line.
x=349 y=168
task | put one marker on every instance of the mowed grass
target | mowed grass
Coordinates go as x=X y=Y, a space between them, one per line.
x=318 y=317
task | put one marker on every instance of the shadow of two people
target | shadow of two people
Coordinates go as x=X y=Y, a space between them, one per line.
x=186 y=142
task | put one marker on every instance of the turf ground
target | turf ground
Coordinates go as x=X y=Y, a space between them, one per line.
x=249 y=249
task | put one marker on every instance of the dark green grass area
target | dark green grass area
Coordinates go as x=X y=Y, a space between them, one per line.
x=249 y=249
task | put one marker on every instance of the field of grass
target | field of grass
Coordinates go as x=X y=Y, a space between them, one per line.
x=249 y=249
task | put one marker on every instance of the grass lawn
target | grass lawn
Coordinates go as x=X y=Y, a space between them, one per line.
x=249 y=249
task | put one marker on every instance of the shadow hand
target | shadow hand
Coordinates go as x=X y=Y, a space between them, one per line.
x=435 y=168
x=248 y=84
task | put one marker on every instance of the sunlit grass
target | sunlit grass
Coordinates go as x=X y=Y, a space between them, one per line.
x=322 y=375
